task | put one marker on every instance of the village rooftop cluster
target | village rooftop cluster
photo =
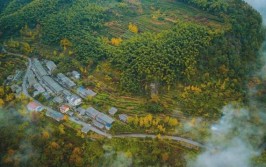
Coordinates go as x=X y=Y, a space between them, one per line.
x=62 y=90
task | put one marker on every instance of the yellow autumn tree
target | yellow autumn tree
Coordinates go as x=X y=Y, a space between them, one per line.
x=45 y=135
x=65 y=43
x=26 y=48
x=172 y=122
x=2 y=102
x=161 y=128
x=61 y=129
x=116 y=41
x=133 y=28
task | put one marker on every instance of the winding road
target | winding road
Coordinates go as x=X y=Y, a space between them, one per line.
x=86 y=125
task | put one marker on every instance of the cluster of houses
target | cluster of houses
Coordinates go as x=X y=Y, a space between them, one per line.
x=99 y=119
x=43 y=83
x=59 y=88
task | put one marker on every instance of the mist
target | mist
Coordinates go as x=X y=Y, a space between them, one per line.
x=259 y=5
x=237 y=138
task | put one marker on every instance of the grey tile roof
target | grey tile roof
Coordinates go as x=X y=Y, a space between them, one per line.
x=39 y=68
x=92 y=112
x=123 y=117
x=112 y=110
x=52 y=84
x=50 y=65
x=104 y=118
x=65 y=80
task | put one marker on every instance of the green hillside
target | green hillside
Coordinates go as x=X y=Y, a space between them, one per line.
x=187 y=47
x=170 y=65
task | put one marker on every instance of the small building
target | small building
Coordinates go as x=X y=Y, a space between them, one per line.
x=105 y=119
x=81 y=111
x=123 y=117
x=33 y=106
x=10 y=77
x=97 y=124
x=58 y=100
x=85 y=129
x=74 y=100
x=31 y=78
x=46 y=95
x=55 y=115
x=65 y=80
x=75 y=74
x=51 y=66
x=70 y=114
x=52 y=84
x=16 y=89
x=112 y=111
x=64 y=108
x=92 y=112
x=38 y=68
x=84 y=93
x=38 y=87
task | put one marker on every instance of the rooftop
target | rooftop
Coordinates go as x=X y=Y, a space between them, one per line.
x=85 y=129
x=75 y=73
x=92 y=112
x=123 y=117
x=105 y=118
x=97 y=124
x=38 y=66
x=55 y=115
x=112 y=110
x=58 y=99
x=50 y=65
x=85 y=92
x=65 y=80
x=33 y=106
x=52 y=84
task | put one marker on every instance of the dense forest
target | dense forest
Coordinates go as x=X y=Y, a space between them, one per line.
x=192 y=55
x=226 y=50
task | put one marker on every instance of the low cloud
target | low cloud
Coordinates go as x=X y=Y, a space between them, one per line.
x=239 y=135
x=259 y=5
x=235 y=139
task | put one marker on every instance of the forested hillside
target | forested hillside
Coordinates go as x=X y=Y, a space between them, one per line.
x=195 y=43
x=169 y=65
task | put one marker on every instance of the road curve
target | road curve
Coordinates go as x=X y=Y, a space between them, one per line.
x=175 y=138
x=25 y=91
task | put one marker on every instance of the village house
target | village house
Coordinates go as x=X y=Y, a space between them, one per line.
x=100 y=117
x=105 y=119
x=38 y=88
x=84 y=93
x=74 y=100
x=55 y=115
x=97 y=124
x=75 y=74
x=58 y=100
x=33 y=106
x=54 y=86
x=46 y=95
x=16 y=89
x=85 y=129
x=65 y=80
x=64 y=108
x=123 y=117
x=81 y=111
x=92 y=112
x=38 y=68
x=51 y=66
x=31 y=79
x=112 y=111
